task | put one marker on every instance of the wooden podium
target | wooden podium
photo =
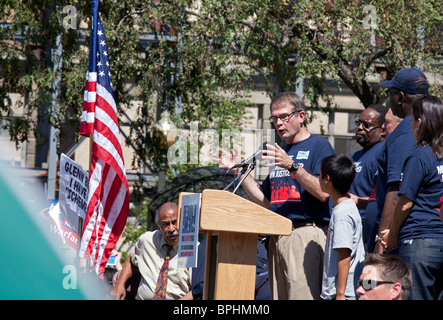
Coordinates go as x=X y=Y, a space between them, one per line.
x=233 y=224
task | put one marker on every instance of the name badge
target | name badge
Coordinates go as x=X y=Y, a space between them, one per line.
x=302 y=155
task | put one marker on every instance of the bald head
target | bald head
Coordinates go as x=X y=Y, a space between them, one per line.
x=170 y=207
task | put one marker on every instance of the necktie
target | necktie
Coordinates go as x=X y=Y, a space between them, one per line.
x=162 y=281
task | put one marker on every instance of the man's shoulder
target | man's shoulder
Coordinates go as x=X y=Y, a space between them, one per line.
x=402 y=131
x=149 y=235
x=313 y=148
x=357 y=155
x=321 y=141
x=321 y=145
x=312 y=142
x=369 y=153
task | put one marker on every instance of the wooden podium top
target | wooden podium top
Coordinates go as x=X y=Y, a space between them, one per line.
x=225 y=211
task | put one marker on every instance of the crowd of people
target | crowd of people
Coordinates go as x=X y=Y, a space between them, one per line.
x=364 y=226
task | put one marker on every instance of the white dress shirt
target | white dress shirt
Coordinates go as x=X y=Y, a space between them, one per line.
x=148 y=255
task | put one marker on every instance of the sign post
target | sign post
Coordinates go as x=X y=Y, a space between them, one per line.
x=74 y=184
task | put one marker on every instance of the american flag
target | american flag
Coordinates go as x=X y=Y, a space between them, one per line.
x=108 y=199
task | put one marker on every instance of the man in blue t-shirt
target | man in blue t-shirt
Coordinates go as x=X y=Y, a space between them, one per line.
x=293 y=190
x=372 y=216
x=370 y=134
x=406 y=86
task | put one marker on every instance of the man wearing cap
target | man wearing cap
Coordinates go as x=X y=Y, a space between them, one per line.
x=406 y=86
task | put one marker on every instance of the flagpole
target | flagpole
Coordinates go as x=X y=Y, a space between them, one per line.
x=80 y=219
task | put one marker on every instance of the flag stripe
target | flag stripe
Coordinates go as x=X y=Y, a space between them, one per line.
x=101 y=217
x=89 y=102
x=103 y=93
x=104 y=149
x=97 y=213
x=110 y=213
x=88 y=117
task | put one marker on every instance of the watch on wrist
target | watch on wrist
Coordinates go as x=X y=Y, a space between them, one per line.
x=294 y=167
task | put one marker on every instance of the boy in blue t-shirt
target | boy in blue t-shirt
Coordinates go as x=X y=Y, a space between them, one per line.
x=344 y=251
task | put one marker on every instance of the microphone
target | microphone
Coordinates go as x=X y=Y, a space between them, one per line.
x=256 y=156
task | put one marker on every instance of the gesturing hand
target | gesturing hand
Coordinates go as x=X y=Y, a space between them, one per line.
x=225 y=159
x=277 y=157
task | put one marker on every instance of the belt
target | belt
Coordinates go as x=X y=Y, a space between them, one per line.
x=299 y=224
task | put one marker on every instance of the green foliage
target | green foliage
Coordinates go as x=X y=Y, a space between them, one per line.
x=205 y=59
x=132 y=233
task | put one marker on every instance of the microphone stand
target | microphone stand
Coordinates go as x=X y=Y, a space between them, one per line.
x=251 y=167
x=244 y=168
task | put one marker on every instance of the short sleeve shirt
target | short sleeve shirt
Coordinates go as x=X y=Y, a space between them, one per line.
x=365 y=162
x=391 y=158
x=148 y=255
x=345 y=231
x=423 y=184
x=286 y=195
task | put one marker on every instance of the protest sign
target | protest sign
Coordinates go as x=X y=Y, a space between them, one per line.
x=189 y=228
x=73 y=194
x=58 y=224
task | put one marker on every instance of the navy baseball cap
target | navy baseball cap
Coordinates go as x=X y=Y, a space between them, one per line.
x=408 y=80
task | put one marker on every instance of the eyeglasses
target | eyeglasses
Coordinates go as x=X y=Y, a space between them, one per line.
x=368 y=284
x=368 y=127
x=283 y=117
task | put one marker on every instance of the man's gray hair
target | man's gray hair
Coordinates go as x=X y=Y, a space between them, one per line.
x=166 y=206
x=291 y=98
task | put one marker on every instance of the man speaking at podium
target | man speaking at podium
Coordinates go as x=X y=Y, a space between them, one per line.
x=292 y=190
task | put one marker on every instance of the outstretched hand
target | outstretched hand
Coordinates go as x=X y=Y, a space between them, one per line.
x=274 y=153
x=225 y=159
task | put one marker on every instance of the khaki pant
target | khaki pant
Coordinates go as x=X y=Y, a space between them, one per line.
x=296 y=264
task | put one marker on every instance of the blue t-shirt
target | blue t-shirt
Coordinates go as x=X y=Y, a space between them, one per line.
x=372 y=215
x=423 y=184
x=391 y=158
x=365 y=163
x=286 y=195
